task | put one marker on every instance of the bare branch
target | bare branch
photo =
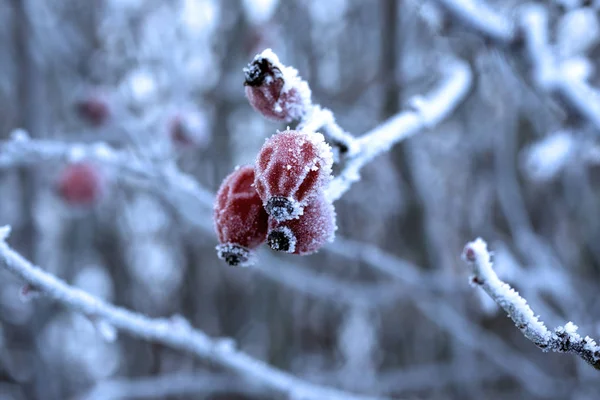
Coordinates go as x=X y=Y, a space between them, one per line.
x=564 y=339
x=426 y=112
x=180 y=336
x=547 y=71
x=177 y=384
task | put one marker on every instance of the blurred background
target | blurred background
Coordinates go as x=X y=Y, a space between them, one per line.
x=387 y=308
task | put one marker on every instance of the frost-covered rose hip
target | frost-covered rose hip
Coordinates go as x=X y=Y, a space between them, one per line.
x=80 y=184
x=94 y=109
x=291 y=168
x=189 y=129
x=307 y=233
x=240 y=219
x=275 y=90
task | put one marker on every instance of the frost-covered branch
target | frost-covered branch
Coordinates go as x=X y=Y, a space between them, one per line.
x=177 y=384
x=318 y=119
x=564 y=339
x=564 y=77
x=425 y=112
x=175 y=333
x=21 y=150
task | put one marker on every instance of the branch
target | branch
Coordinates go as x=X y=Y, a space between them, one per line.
x=316 y=118
x=426 y=112
x=176 y=334
x=164 y=386
x=564 y=339
x=548 y=72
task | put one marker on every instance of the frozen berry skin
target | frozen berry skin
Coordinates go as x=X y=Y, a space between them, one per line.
x=291 y=168
x=306 y=234
x=80 y=184
x=94 y=110
x=275 y=90
x=240 y=220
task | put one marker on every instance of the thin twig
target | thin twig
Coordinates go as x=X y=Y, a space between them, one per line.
x=529 y=29
x=564 y=339
x=426 y=112
x=175 y=334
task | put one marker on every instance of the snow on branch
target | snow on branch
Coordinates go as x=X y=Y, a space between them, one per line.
x=163 y=386
x=424 y=112
x=551 y=72
x=564 y=339
x=175 y=333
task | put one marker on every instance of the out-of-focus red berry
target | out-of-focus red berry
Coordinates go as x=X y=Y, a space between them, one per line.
x=80 y=184
x=240 y=220
x=188 y=129
x=275 y=90
x=291 y=168
x=94 y=109
x=307 y=233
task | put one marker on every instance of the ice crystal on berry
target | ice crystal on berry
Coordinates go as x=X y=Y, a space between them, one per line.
x=240 y=220
x=306 y=234
x=275 y=90
x=291 y=168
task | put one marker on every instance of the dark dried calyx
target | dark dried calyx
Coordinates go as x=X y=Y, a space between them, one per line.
x=233 y=254
x=280 y=208
x=279 y=240
x=256 y=72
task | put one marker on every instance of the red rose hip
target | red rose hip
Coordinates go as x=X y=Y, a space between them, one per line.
x=306 y=234
x=80 y=184
x=240 y=220
x=94 y=109
x=275 y=90
x=291 y=168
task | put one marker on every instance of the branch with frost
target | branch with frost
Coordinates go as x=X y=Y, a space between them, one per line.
x=319 y=119
x=564 y=339
x=21 y=150
x=174 y=332
x=550 y=72
x=424 y=112
x=176 y=384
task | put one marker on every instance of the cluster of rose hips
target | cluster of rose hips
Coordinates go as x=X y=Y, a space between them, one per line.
x=279 y=200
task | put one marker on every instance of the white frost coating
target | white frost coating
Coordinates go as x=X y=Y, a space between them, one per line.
x=545 y=72
x=577 y=68
x=504 y=295
x=577 y=32
x=439 y=103
x=76 y=154
x=259 y=11
x=546 y=158
x=563 y=339
x=323 y=149
x=291 y=80
x=316 y=118
x=19 y=135
x=106 y=330
x=161 y=331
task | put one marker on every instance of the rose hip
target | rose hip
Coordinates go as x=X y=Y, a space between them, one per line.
x=240 y=220
x=291 y=168
x=306 y=234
